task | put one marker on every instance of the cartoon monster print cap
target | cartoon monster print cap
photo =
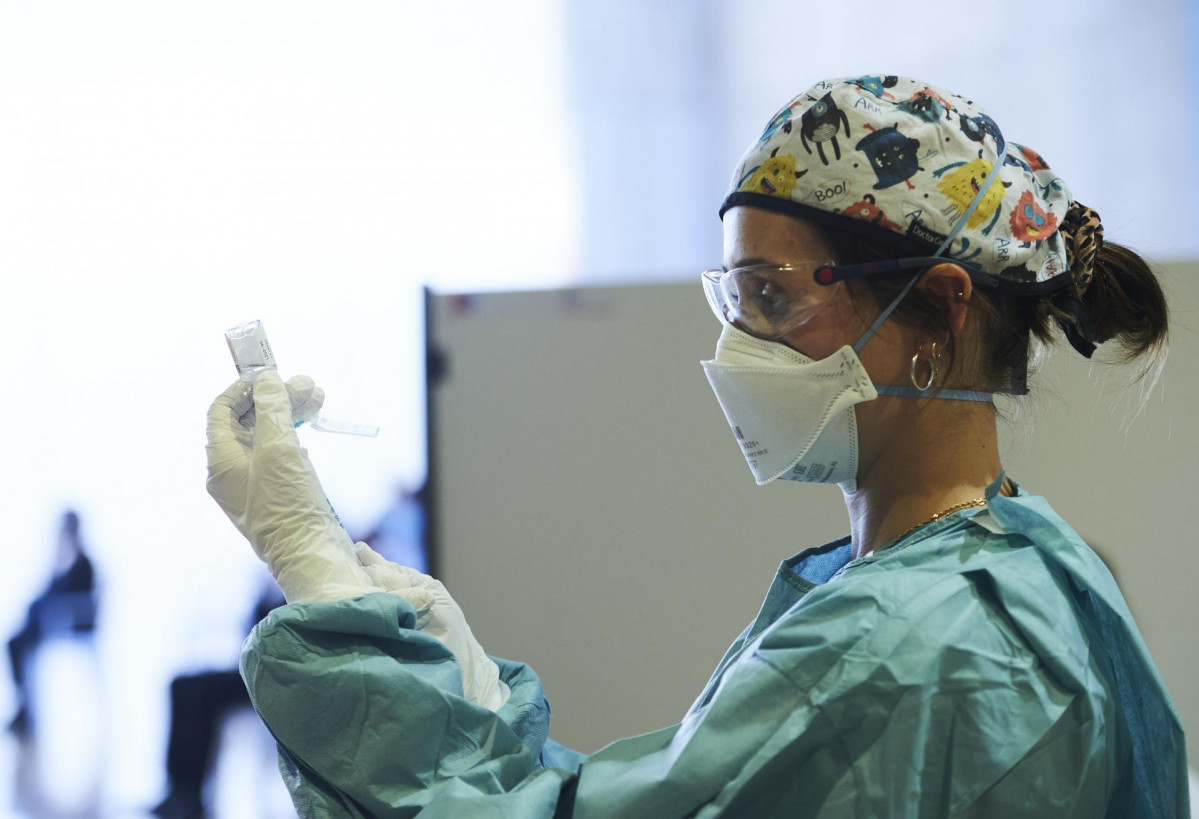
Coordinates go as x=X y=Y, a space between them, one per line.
x=896 y=155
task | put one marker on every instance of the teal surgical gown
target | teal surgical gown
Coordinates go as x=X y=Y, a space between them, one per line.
x=982 y=665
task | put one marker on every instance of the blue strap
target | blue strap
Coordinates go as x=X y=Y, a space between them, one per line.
x=912 y=392
x=978 y=199
x=953 y=395
x=957 y=228
x=878 y=322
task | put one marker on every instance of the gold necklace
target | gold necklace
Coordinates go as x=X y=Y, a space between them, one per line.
x=943 y=513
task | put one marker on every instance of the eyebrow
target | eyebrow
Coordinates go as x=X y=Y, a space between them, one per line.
x=751 y=261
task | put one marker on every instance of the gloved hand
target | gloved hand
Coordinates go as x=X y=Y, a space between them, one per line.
x=439 y=616
x=261 y=477
x=306 y=400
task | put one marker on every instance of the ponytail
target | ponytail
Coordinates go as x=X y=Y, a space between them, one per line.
x=1124 y=300
x=1127 y=305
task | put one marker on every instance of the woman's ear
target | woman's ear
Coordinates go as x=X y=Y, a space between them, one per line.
x=951 y=285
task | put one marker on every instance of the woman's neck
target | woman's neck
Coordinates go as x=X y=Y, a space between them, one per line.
x=944 y=455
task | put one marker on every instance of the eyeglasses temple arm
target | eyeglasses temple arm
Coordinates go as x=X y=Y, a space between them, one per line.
x=827 y=274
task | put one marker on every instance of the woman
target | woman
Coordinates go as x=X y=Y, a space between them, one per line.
x=890 y=261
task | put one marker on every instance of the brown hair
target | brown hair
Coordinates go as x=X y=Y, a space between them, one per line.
x=1126 y=302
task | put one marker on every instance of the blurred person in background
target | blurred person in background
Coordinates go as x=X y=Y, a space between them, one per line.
x=66 y=608
x=199 y=705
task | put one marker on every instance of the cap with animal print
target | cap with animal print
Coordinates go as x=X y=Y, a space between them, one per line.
x=887 y=154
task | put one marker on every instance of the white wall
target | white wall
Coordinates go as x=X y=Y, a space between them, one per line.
x=168 y=170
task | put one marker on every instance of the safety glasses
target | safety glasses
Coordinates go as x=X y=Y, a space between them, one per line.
x=769 y=301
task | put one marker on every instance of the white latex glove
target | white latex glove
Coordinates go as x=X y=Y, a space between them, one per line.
x=305 y=397
x=261 y=477
x=439 y=616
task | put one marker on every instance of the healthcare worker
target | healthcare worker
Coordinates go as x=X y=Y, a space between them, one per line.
x=891 y=262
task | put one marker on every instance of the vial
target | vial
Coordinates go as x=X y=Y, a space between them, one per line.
x=251 y=351
x=252 y=356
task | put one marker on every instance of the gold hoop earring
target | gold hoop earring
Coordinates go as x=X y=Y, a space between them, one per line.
x=932 y=368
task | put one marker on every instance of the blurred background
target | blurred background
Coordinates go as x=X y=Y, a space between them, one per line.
x=169 y=170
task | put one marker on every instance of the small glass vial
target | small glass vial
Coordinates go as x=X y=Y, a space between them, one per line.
x=251 y=351
x=252 y=355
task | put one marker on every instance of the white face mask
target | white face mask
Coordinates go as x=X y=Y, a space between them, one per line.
x=793 y=416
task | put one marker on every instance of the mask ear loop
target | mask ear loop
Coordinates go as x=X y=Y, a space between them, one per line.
x=878 y=322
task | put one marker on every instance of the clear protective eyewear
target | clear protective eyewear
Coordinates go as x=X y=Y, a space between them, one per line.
x=767 y=300
x=771 y=300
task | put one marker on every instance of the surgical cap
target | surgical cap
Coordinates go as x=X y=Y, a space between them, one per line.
x=888 y=155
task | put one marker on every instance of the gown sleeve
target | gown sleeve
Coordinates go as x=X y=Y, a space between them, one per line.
x=369 y=719
x=855 y=703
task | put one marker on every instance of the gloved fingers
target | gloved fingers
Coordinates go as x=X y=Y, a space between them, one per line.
x=419 y=599
x=368 y=556
x=385 y=574
x=392 y=578
x=422 y=603
x=227 y=409
x=299 y=389
x=227 y=436
x=385 y=580
x=306 y=401
x=398 y=576
x=306 y=398
x=273 y=410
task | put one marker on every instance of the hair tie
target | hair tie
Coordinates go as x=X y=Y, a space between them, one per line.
x=1074 y=317
x=1083 y=233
